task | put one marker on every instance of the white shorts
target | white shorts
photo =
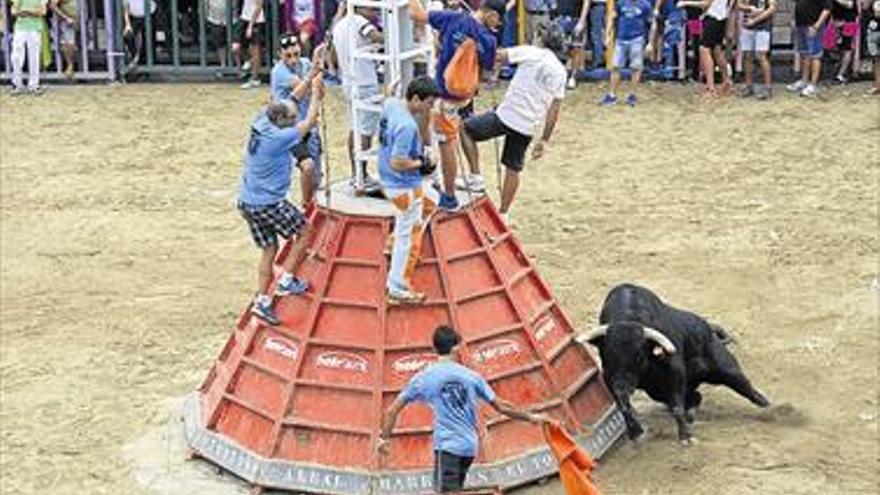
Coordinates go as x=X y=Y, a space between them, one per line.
x=754 y=41
x=367 y=121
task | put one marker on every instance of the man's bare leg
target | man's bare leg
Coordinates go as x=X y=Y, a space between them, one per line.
x=449 y=162
x=255 y=61
x=721 y=62
x=508 y=189
x=764 y=58
x=615 y=81
x=307 y=180
x=471 y=153
x=706 y=65
x=296 y=254
x=635 y=80
x=69 y=50
x=264 y=270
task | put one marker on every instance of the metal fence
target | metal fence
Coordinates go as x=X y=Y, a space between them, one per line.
x=175 y=38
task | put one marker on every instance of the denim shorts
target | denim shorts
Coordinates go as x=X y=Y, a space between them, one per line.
x=630 y=54
x=808 y=46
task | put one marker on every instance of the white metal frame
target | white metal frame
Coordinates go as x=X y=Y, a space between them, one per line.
x=402 y=50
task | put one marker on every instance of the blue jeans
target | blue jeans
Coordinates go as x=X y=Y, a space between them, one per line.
x=597 y=33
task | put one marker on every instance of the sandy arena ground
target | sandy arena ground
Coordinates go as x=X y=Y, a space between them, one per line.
x=124 y=266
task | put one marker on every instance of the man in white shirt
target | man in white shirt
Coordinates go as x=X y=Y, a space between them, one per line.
x=534 y=94
x=359 y=79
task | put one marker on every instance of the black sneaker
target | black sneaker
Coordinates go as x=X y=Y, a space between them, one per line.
x=265 y=312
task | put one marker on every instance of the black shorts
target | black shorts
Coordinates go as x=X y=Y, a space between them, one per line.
x=300 y=150
x=487 y=126
x=241 y=30
x=450 y=471
x=713 y=32
x=267 y=222
x=215 y=36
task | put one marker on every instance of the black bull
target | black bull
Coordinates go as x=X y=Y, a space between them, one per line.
x=667 y=352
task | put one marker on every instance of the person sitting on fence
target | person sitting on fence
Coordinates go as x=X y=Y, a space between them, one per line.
x=535 y=93
x=403 y=168
x=27 y=38
x=67 y=12
x=134 y=31
x=292 y=79
x=215 y=28
x=629 y=21
x=263 y=202
x=844 y=15
x=249 y=32
x=809 y=19
x=871 y=12
x=360 y=81
x=716 y=27
x=467 y=47
x=754 y=38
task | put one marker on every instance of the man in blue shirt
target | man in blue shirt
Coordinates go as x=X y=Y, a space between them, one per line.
x=262 y=199
x=632 y=20
x=403 y=132
x=452 y=391
x=453 y=29
x=291 y=79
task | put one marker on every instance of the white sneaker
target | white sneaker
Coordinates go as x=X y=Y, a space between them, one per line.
x=797 y=86
x=810 y=91
x=572 y=83
x=473 y=182
x=251 y=84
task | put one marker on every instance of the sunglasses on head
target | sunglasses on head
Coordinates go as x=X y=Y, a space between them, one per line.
x=288 y=41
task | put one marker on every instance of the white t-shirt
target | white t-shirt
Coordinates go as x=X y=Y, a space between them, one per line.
x=718 y=9
x=354 y=31
x=539 y=79
x=247 y=10
x=136 y=7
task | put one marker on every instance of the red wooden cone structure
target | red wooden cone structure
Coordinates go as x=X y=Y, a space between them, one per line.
x=298 y=406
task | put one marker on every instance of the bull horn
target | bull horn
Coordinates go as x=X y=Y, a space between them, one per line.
x=595 y=333
x=660 y=339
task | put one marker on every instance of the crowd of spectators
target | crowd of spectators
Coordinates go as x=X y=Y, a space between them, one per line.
x=645 y=35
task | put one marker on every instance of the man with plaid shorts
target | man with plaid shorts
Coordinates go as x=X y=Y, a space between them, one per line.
x=263 y=201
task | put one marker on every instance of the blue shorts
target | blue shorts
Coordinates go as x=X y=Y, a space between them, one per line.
x=630 y=53
x=808 y=46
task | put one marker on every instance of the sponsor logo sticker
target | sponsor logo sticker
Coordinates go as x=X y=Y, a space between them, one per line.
x=496 y=350
x=545 y=328
x=412 y=363
x=344 y=361
x=282 y=347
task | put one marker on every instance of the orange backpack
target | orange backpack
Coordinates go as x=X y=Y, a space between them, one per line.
x=462 y=74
